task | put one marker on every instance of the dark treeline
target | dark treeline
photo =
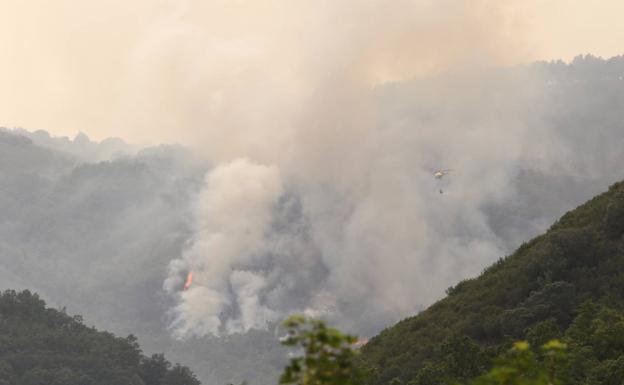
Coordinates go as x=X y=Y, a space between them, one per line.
x=44 y=346
x=567 y=284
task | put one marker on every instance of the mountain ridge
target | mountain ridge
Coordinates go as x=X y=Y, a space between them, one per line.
x=542 y=288
x=41 y=345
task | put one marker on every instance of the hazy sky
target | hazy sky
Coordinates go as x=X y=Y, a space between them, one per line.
x=159 y=70
x=319 y=197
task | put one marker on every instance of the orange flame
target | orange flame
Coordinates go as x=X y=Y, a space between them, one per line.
x=189 y=280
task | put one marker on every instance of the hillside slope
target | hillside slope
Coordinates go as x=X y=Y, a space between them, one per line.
x=39 y=345
x=567 y=283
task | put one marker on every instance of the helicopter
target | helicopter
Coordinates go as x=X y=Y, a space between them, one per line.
x=439 y=174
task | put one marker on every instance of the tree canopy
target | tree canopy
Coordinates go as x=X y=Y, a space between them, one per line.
x=44 y=346
x=567 y=284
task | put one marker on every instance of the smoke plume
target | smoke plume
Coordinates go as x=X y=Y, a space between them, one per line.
x=352 y=109
x=321 y=124
x=360 y=235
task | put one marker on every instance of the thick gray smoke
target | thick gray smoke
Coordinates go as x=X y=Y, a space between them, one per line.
x=384 y=241
x=293 y=105
x=344 y=220
x=225 y=239
x=94 y=234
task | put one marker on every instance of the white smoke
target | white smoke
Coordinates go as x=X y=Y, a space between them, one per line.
x=224 y=239
x=321 y=198
x=310 y=94
x=357 y=230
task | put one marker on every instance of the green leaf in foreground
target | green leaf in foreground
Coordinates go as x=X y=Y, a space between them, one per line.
x=323 y=355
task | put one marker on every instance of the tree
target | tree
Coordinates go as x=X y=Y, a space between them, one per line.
x=429 y=374
x=180 y=375
x=326 y=356
x=522 y=367
x=464 y=358
x=614 y=217
x=154 y=369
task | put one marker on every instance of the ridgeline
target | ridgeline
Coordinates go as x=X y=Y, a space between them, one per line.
x=44 y=346
x=566 y=284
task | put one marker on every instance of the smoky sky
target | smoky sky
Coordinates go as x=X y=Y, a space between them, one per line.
x=312 y=131
x=362 y=237
x=377 y=224
x=193 y=71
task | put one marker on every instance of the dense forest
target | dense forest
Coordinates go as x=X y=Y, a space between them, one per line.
x=566 y=284
x=44 y=346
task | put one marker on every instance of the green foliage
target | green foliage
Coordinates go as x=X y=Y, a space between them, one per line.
x=543 y=332
x=42 y=346
x=326 y=356
x=523 y=367
x=614 y=217
x=429 y=374
x=463 y=358
x=567 y=284
x=596 y=340
x=181 y=375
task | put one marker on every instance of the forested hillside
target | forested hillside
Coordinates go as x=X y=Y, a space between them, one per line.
x=44 y=346
x=567 y=284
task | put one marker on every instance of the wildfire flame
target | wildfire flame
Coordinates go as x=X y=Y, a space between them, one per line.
x=189 y=280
